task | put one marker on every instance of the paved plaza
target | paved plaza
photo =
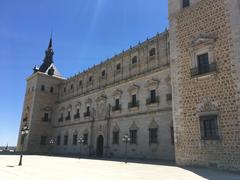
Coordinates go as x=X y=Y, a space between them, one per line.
x=59 y=168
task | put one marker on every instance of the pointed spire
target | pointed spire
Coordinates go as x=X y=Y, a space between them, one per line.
x=50 y=42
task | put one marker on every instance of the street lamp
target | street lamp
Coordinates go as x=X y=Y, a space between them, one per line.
x=126 y=139
x=24 y=133
x=80 y=141
x=51 y=142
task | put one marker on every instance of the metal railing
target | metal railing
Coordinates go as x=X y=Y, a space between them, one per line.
x=204 y=69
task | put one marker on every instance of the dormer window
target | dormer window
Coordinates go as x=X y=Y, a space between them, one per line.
x=185 y=3
x=152 y=52
x=134 y=60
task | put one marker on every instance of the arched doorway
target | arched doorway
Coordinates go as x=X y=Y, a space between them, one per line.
x=100 y=144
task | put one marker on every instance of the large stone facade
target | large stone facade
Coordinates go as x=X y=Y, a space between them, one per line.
x=196 y=62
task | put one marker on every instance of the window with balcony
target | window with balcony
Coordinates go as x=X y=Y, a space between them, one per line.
x=153 y=97
x=153 y=135
x=60 y=119
x=117 y=106
x=68 y=117
x=209 y=127
x=134 y=102
x=87 y=113
x=203 y=65
x=77 y=115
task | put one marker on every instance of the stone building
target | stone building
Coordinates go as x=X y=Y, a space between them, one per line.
x=176 y=95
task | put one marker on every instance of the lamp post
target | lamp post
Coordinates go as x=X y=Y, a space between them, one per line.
x=126 y=139
x=24 y=133
x=51 y=142
x=80 y=141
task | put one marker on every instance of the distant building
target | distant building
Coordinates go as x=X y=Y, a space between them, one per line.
x=177 y=95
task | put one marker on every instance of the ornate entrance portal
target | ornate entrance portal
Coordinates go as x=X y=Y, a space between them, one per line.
x=100 y=144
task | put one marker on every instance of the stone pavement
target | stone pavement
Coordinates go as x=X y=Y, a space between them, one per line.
x=60 y=168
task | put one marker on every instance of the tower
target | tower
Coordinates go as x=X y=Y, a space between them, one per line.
x=41 y=94
x=205 y=69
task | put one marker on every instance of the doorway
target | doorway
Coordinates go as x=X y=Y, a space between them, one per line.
x=100 y=144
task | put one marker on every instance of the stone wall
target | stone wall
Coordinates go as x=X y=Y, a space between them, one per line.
x=206 y=19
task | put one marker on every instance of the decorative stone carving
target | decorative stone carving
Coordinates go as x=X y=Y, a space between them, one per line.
x=207 y=106
x=103 y=98
x=133 y=89
x=117 y=93
x=152 y=84
x=133 y=126
x=78 y=105
x=153 y=124
x=203 y=39
x=116 y=128
x=88 y=102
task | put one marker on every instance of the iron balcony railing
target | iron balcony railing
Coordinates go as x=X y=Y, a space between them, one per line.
x=68 y=118
x=204 y=69
x=76 y=116
x=152 y=100
x=133 y=104
x=60 y=119
x=86 y=114
x=117 y=108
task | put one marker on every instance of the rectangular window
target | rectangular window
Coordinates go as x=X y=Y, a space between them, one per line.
x=133 y=136
x=43 y=140
x=134 y=60
x=209 y=127
x=51 y=89
x=117 y=104
x=153 y=136
x=118 y=66
x=58 y=140
x=153 y=95
x=116 y=137
x=134 y=100
x=65 y=140
x=42 y=88
x=46 y=118
x=203 y=63
x=186 y=3
x=103 y=73
x=172 y=135
x=75 y=139
x=85 y=138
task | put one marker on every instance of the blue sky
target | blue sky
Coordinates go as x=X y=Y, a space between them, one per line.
x=85 y=32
